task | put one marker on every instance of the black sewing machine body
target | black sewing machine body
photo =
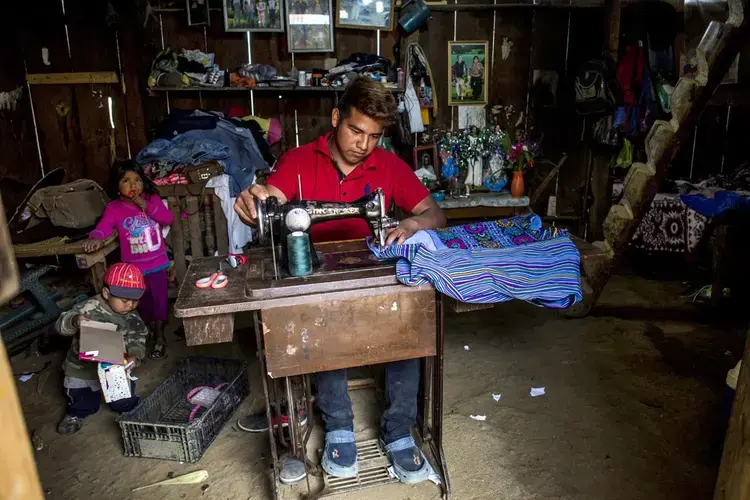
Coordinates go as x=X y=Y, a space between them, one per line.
x=276 y=222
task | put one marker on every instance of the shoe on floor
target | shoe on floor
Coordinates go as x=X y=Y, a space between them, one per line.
x=69 y=425
x=292 y=471
x=340 y=454
x=258 y=422
x=409 y=464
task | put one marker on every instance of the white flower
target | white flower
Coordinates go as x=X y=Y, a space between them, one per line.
x=525 y=147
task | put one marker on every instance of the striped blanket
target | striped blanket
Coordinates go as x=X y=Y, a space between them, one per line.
x=544 y=271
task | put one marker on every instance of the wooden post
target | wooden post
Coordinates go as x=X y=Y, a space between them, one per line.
x=733 y=482
x=19 y=479
x=601 y=187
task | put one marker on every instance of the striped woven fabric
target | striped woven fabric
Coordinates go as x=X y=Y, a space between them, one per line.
x=545 y=273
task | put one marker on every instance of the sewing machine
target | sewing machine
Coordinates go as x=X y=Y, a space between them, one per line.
x=350 y=312
x=276 y=222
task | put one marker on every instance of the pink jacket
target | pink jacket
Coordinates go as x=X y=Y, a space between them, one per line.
x=141 y=241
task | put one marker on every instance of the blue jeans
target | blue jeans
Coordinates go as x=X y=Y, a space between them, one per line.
x=401 y=392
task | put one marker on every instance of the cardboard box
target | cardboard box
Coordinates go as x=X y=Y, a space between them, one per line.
x=100 y=341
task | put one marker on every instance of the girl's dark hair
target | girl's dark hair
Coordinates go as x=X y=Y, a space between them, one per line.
x=119 y=169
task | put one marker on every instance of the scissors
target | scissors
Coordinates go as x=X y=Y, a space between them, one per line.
x=216 y=280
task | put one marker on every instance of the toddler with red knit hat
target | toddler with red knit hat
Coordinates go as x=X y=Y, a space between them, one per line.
x=117 y=304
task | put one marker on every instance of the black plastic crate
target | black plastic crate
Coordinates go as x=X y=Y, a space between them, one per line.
x=158 y=427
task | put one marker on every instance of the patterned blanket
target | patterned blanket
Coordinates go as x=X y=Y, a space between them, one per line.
x=669 y=226
x=491 y=262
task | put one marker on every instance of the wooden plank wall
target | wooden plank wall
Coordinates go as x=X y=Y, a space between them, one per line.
x=542 y=48
x=73 y=120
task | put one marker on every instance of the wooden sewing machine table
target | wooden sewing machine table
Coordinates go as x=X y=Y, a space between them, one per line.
x=350 y=312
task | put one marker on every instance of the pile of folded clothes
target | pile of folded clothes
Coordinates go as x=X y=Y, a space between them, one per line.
x=185 y=68
x=241 y=145
x=360 y=64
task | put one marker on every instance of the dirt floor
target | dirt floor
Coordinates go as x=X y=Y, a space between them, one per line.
x=632 y=410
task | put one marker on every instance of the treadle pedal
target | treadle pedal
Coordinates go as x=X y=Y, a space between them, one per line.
x=373 y=471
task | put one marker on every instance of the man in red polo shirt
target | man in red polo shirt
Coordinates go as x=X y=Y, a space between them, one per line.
x=346 y=165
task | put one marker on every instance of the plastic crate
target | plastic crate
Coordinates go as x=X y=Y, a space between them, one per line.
x=158 y=427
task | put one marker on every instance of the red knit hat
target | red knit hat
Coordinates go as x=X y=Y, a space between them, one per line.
x=125 y=281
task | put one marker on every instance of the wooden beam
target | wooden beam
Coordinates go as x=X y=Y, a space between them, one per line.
x=19 y=479
x=85 y=77
x=733 y=481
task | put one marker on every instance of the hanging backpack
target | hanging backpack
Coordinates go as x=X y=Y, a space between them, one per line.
x=595 y=88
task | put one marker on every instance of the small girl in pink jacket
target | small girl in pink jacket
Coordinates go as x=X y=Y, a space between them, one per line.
x=138 y=214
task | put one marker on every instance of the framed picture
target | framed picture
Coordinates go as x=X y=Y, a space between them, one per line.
x=426 y=157
x=310 y=25
x=197 y=11
x=365 y=14
x=254 y=15
x=468 y=70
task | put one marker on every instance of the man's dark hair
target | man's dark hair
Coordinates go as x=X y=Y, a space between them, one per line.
x=370 y=98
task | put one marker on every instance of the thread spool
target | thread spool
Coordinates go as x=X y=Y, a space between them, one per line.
x=298 y=248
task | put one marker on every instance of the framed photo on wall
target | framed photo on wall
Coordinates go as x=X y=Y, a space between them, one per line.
x=310 y=25
x=365 y=14
x=426 y=157
x=253 y=15
x=468 y=72
x=197 y=11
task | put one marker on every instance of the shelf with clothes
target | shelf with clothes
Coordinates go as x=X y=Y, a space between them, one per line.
x=260 y=89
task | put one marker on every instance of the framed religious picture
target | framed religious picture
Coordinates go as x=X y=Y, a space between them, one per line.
x=310 y=25
x=197 y=11
x=425 y=157
x=426 y=166
x=366 y=14
x=253 y=15
x=468 y=71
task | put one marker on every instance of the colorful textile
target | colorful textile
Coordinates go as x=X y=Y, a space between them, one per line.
x=499 y=261
x=669 y=226
x=498 y=234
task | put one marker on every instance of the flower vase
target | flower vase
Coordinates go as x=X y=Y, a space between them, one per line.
x=516 y=186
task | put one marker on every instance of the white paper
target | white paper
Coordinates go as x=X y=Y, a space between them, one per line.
x=481 y=418
x=466 y=348
x=25 y=377
x=537 y=391
x=496 y=397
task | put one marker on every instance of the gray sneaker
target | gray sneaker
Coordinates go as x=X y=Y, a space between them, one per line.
x=258 y=422
x=69 y=425
x=292 y=471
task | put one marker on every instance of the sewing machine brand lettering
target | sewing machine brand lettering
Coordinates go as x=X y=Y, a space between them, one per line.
x=327 y=208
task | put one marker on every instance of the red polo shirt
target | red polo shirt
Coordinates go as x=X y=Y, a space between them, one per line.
x=320 y=182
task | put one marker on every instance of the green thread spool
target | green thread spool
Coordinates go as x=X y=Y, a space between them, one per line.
x=298 y=248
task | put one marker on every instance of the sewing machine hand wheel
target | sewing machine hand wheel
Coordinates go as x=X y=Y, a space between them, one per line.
x=261 y=223
x=266 y=211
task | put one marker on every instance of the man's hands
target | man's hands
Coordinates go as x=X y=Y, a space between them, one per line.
x=76 y=322
x=405 y=230
x=92 y=245
x=245 y=203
